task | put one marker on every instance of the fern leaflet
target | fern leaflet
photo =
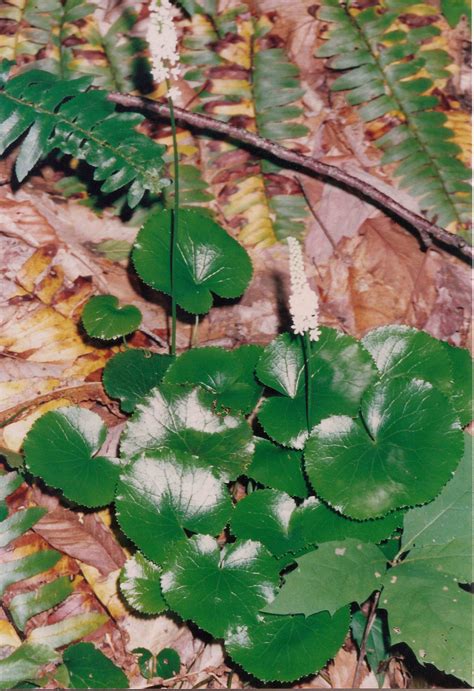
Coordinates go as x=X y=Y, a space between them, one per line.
x=386 y=73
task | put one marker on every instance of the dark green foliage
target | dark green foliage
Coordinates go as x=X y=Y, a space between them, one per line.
x=384 y=76
x=66 y=115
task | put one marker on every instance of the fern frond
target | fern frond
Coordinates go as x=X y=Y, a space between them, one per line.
x=389 y=70
x=65 y=115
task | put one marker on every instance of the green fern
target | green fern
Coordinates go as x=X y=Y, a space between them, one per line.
x=65 y=115
x=384 y=65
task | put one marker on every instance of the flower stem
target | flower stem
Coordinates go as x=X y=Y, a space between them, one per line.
x=307 y=358
x=174 y=226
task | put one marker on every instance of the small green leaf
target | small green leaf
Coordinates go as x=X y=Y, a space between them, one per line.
x=89 y=668
x=272 y=517
x=24 y=664
x=60 y=448
x=341 y=371
x=334 y=575
x=404 y=428
x=18 y=523
x=208 y=260
x=159 y=497
x=104 y=319
x=67 y=630
x=32 y=564
x=25 y=605
x=229 y=375
x=279 y=468
x=140 y=585
x=281 y=648
x=182 y=420
x=168 y=663
x=131 y=375
x=146 y=662
x=429 y=612
x=9 y=482
x=377 y=643
x=439 y=534
x=219 y=589
x=114 y=250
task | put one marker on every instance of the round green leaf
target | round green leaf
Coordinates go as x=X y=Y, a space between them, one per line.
x=140 y=585
x=341 y=371
x=208 y=260
x=274 y=519
x=180 y=419
x=334 y=575
x=89 y=668
x=168 y=663
x=131 y=375
x=103 y=318
x=281 y=648
x=146 y=662
x=461 y=391
x=279 y=468
x=219 y=589
x=433 y=615
x=401 y=351
x=60 y=449
x=229 y=375
x=400 y=452
x=158 y=497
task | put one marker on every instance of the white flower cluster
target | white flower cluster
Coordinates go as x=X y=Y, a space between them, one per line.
x=163 y=41
x=304 y=302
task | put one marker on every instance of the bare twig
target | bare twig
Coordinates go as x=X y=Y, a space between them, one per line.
x=428 y=232
x=363 y=644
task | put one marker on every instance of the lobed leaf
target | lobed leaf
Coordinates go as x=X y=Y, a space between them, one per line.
x=140 y=585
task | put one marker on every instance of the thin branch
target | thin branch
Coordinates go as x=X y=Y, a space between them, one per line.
x=363 y=645
x=429 y=232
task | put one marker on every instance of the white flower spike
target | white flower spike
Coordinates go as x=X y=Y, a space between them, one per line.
x=304 y=302
x=163 y=41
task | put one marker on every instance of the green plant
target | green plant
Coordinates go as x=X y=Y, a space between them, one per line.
x=389 y=71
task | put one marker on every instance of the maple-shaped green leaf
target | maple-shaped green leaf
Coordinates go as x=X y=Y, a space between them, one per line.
x=341 y=371
x=89 y=668
x=140 y=585
x=208 y=260
x=273 y=518
x=278 y=467
x=404 y=428
x=439 y=534
x=24 y=664
x=428 y=611
x=461 y=391
x=286 y=648
x=227 y=374
x=160 y=496
x=219 y=589
x=103 y=318
x=334 y=575
x=182 y=419
x=131 y=375
x=61 y=448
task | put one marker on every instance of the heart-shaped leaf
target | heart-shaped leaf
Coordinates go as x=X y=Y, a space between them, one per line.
x=208 y=260
x=219 y=589
x=60 y=448
x=276 y=648
x=131 y=375
x=103 y=318
x=140 y=585
x=333 y=576
x=439 y=534
x=181 y=419
x=432 y=614
x=274 y=466
x=229 y=375
x=401 y=451
x=89 y=668
x=157 y=498
x=274 y=519
x=341 y=371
